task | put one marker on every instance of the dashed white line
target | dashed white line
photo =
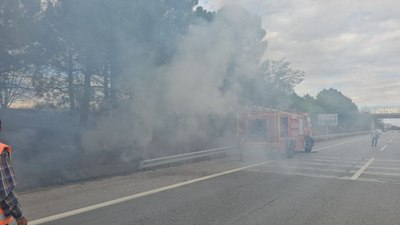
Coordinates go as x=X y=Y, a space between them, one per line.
x=390 y=141
x=362 y=169
x=383 y=148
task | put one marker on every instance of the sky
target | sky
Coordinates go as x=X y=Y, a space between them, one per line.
x=350 y=45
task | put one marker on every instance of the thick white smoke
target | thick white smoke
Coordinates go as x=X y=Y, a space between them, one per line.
x=173 y=102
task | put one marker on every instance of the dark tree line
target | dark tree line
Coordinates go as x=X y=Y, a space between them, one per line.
x=75 y=54
x=332 y=101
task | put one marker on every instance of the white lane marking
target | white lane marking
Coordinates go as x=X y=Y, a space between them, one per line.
x=307 y=174
x=383 y=168
x=325 y=164
x=383 y=174
x=390 y=141
x=371 y=180
x=296 y=167
x=327 y=157
x=329 y=177
x=383 y=148
x=338 y=161
x=131 y=197
x=387 y=160
x=364 y=179
x=362 y=169
x=341 y=159
x=330 y=146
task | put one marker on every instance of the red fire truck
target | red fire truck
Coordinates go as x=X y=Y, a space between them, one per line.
x=275 y=130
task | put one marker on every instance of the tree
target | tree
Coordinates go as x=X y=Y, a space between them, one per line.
x=16 y=20
x=107 y=40
x=333 y=101
x=57 y=66
x=281 y=75
x=204 y=14
x=11 y=22
x=273 y=86
x=238 y=43
x=13 y=86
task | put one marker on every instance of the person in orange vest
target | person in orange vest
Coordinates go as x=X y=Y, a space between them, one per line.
x=9 y=206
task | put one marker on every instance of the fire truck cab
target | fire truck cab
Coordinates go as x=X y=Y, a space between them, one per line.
x=275 y=130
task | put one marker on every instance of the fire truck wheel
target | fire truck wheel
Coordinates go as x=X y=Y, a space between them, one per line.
x=290 y=148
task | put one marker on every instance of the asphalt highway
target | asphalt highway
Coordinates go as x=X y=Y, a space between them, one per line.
x=344 y=181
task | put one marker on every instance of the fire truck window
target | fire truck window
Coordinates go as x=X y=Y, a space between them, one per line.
x=301 y=126
x=284 y=127
x=257 y=130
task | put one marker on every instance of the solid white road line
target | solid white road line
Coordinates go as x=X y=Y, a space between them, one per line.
x=362 y=169
x=383 y=148
x=131 y=197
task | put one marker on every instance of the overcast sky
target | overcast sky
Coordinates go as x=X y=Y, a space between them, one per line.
x=350 y=45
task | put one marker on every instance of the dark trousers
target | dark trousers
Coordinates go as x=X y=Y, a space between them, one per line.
x=374 y=141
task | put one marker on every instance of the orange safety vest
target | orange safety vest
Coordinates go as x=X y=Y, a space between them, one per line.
x=3 y=219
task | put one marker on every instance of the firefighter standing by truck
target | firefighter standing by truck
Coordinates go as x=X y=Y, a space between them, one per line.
x=9 y=205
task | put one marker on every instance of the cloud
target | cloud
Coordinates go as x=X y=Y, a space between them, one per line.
x=345 y=44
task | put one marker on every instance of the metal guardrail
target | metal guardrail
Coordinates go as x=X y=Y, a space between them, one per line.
x=185 y=157
x=149 y=163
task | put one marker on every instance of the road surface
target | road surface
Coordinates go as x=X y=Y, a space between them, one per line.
x=343 y=182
